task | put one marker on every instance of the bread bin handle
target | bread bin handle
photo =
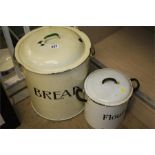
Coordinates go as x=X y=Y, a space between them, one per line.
x=78 y=96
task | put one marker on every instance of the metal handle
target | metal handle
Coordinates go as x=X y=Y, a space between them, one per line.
x=110 y=79
x=92 y=52
x=135 y=88
x=44 y=41
x=78 y=96
x=51 y=35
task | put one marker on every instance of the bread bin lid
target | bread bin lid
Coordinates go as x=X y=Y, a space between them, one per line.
x=108 y=87
x=54 y=49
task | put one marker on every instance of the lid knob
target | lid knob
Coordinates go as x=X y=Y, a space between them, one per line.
x=110 y=79
x=49 y=36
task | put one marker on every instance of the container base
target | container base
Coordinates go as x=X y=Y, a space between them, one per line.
x=63 y=119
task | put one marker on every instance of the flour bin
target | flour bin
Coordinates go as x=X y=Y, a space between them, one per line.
x=55 y=61
x=107 y=95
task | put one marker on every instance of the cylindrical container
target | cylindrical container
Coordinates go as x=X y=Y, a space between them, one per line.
x=107 y=94
x=55 y=61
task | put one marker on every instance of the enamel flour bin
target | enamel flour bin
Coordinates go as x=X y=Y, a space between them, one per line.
x=107 y=95
x=55 y=62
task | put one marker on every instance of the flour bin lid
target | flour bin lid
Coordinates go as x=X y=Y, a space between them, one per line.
x=54 y=49
x=108 y=87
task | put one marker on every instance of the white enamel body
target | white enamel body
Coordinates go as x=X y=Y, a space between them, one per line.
x=104 y=117
x=106 y=101
x=63 y=107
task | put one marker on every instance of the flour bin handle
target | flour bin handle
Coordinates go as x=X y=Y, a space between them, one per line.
x=110 y=79
x=135 y=82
